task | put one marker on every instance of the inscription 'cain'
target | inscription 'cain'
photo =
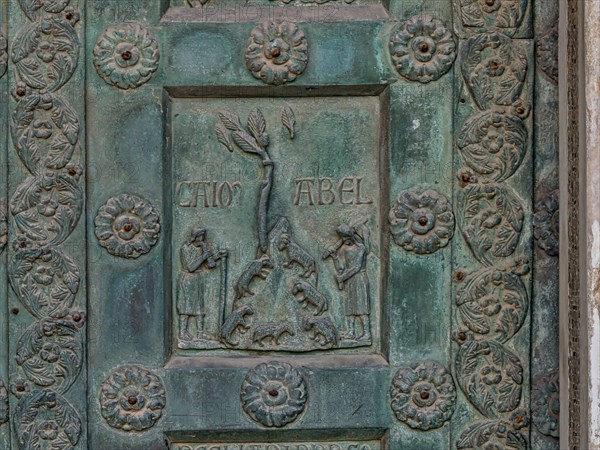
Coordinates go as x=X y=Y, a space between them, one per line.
x=208 y=194
x=327 y=191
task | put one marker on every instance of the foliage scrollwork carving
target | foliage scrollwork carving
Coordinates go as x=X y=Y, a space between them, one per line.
x=545 y=407
x=491 y=220
x=491 y=376
x=46 y=53
x=505 y=16
x=494 y=68
x=493 y=303
x=3 y=55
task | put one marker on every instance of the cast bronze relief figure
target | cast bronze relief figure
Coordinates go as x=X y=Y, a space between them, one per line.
x=196 y=258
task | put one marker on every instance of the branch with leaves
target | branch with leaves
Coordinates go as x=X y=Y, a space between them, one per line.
x=252 y=139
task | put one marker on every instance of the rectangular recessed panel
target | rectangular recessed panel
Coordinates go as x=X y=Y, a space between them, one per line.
x=277 y=230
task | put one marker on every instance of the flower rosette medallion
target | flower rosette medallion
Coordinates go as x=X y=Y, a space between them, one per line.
x=500 y=15
x=422 y=221
x=276 y=52
x=423 y=395
x=274 y=394
x=422 y=49
x=127 y=226
x=132 y=398
x=45 y=53
x=126 y=55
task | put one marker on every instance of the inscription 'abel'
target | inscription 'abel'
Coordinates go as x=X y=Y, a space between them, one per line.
x=327 y=191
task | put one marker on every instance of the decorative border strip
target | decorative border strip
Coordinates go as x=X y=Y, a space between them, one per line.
x=492 y=301
x=45 y=210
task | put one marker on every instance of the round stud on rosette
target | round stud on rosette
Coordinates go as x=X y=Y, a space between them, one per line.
x=274 y=394
x=276 y=52
x=132 y=398
x=421 y=221
x=127 y=226
x=423 y=395
x=126 y=55
x=422 y=49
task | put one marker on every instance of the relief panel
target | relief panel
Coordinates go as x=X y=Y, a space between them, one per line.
x=277 y=221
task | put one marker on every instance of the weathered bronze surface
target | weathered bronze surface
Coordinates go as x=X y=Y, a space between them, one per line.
x=295 y=224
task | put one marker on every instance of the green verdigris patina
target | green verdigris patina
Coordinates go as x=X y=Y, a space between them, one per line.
x=305 y=225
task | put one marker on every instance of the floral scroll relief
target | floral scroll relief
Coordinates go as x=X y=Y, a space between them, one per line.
x=547 y=53
x=505 y=16
x=494 y=69
x=274 y=394
x=423 y=395
x=277 y=52
x=422 y=49
x=493 y=303
x=422 y=221
x=546 y=223
x=46 y=53
x=492 y=435
x=126 y=55
x=132 y=398
x=127 y=226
